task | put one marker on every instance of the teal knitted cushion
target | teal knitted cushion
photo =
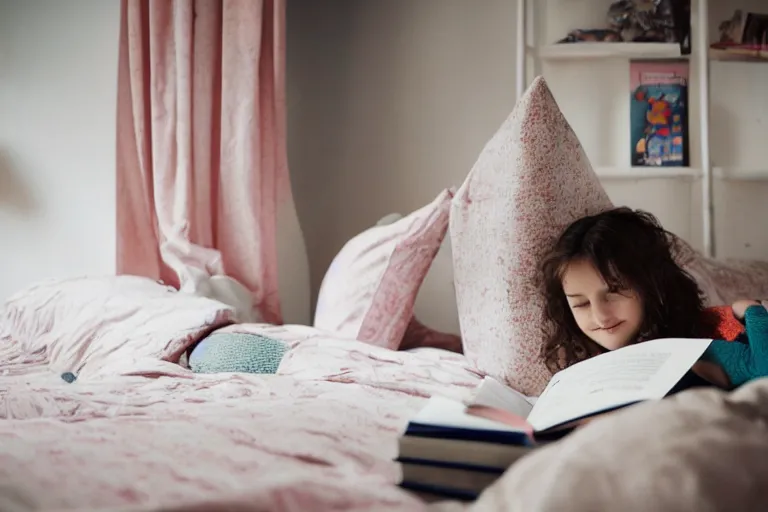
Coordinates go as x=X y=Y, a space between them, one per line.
x=237 y=352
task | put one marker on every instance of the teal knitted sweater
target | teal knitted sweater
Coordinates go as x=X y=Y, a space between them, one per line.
x=747 y=358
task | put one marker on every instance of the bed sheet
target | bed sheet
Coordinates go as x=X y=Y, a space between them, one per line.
x=319 y=435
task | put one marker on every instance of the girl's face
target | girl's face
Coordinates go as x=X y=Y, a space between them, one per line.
x=610 y=318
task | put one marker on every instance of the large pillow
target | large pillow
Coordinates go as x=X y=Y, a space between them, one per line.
x=105 y=325
x=725 y=281
x=702 y=449
x=437 y=299
x=530 y=181
x=370 y=288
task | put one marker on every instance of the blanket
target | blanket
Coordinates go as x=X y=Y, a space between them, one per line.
x=138 y=431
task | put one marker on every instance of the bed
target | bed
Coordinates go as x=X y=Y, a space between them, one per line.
x=137 y=431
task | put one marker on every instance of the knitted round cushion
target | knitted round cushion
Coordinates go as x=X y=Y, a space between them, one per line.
x=237 y=352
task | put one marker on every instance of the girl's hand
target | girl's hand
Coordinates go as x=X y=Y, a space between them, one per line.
x=740 y=307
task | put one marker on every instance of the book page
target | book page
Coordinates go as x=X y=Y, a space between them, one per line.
x=645 y=371
x=445 y=412
x=493 y=393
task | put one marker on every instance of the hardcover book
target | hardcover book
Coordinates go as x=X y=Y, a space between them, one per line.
x=659 y=113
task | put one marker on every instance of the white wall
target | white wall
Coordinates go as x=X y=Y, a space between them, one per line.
x=390 y=101
x=58 y=64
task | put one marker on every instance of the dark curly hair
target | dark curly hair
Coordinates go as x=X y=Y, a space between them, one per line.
x=630 y=249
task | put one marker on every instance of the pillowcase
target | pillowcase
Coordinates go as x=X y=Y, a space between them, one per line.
x=370 y=288
x=726 y=281
x=530 y=181
x=105 y=325
x=436 y=295
x=227 y=352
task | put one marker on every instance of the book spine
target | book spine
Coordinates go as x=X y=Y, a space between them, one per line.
x=464 y=434
x=450 y=465
x=439 y=491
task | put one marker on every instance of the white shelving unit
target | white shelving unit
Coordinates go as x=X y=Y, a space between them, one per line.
x=537 y=54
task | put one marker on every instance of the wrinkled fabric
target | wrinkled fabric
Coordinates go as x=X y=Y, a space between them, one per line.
x=202 y=170
x=136 y=431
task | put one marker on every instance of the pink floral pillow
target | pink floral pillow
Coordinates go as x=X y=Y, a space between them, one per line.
x=725 y=281
x=531 y=180
x=370 y=288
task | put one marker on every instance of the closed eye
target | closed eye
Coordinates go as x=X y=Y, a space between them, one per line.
x=614 y=294
x=580 y=305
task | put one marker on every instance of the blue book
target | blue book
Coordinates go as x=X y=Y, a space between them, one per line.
x=465 y=478
x=436 y=492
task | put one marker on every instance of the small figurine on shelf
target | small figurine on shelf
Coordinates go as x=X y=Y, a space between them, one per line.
x=664 y=21
x=744 y=35
x=731 y=30
x=643 y=20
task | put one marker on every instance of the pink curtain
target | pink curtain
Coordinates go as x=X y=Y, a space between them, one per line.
x=201 y=143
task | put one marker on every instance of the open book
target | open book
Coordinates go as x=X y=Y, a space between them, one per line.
x=646 y=371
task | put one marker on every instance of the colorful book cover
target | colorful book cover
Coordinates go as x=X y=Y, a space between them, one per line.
x=659 y=113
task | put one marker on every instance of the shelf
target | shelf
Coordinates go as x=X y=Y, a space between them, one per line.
x=726 y=56
x=567 y=51
x=740 y=174
x=646 y=173
x=655 y=173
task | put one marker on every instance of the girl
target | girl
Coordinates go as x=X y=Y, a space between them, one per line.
x=611 y=280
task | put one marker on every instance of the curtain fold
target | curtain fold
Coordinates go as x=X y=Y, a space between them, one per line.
x=201 y=147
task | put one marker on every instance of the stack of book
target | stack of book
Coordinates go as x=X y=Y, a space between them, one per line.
x=447 y=452
x=453 y=450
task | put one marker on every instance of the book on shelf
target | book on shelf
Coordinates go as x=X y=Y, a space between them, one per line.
x=659 y=113
x=452 y=448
